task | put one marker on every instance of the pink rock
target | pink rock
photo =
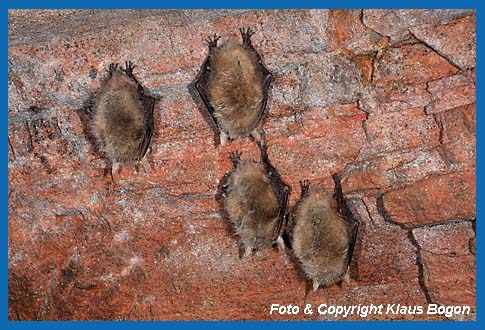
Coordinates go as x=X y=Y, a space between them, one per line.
x=448 y=264
x=455 y=40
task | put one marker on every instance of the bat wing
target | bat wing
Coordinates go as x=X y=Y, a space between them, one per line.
x=347 y=215
x=282 y=191
x=201 y=84
x=280 y=188
x=353 y=229
x=267 y=79
x=148 y=104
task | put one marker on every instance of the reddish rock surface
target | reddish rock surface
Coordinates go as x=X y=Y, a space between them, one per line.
x=436 y=199
x=455 y=40
x=385 y=98
x=451 y=92
x=448 y=263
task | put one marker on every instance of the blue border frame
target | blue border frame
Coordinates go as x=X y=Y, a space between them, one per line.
x=302 y=4
x=270 y=4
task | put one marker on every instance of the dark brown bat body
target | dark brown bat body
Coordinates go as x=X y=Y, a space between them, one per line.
x=233 y=84
x=255 y=201
x=123 y=117
x=321 y=239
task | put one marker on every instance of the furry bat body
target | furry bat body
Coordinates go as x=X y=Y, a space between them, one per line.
x=233 y=84
x=255 y=199
x=322 y=240
x=123 y=117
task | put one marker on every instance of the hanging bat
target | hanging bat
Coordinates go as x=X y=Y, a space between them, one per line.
x=233 y=84
x=122 y=123
x=322 y=240
x=255 y=199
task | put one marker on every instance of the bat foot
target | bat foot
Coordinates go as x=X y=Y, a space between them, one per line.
x=129 y=66
x=113 y=67
x=212 y=41
x=235 y=157
x=305 y=185
x=246 y=34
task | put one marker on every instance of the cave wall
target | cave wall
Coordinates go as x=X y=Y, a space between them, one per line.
x=384 y=98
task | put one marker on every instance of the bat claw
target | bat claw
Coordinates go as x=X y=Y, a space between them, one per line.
x=129 y=66
x=112 y=68
x=246 y=34
x=305 y=185
x=212 y=41
x=235 y=157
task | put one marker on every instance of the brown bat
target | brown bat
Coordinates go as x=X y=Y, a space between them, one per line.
x=233 y=84
x=322 y=240
x=255 y=199
x=122 y=122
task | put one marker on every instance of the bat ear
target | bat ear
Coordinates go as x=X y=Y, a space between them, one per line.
x=316 y=284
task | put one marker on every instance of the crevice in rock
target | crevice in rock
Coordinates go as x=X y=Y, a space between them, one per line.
x=373 y=69
x=449 y=60
x=364 y=127
x=368 y=212
x=31 y=114
x=11 y=148
x=105 y=222
x=383 y=212
x=443 y=223
x=419 y=263
x=428 y=106
x=448 y=157
x=30 y=142
x=437 y=119
x=361 y=18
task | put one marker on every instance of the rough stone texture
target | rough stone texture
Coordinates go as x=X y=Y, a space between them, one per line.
x=450 y=92
x=396 y=22
x=455 y=40
x=401 y=73
x=385 y=98
x=448 y=263
x=432 y=200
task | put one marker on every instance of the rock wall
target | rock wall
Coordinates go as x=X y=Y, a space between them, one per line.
x=385 y=98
